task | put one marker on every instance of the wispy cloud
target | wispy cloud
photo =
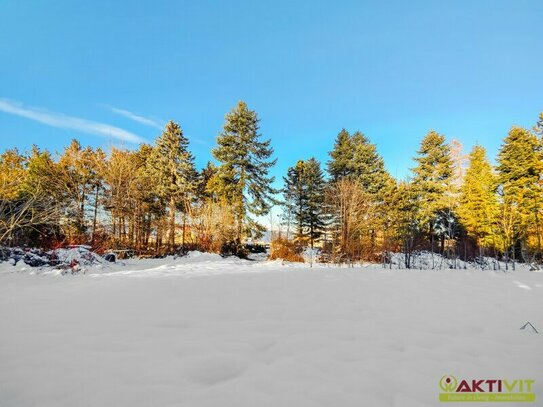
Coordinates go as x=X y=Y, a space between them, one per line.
x=68 y=122
x=135 y=117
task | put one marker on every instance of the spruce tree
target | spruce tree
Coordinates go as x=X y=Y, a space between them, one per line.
x=366 y=164
x=520 y=165
x=146 y=204
x=242 y=178
x=432 y=181
x=341 y=157
x=355 y=157
x=404 y=218
x=171 y=166
x=304 y=198
x=315 y=185
x=294 y=199
x=478 y=203
x=207 y=173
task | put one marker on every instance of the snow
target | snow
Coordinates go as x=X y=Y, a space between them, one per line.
x=424 y=260
x=73 y=259
x=80 y=256
x=202 y=330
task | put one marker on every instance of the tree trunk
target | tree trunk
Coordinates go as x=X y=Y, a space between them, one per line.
x=172 y=223
x=157 y=239
x=239 y=221
x=311 y=234
x=114 y=225
x=184 y=226
x=538 y=229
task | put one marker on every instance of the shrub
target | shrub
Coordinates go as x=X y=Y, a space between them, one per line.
x=286 y=250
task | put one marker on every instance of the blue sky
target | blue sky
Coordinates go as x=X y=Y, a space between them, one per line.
x=106 y=71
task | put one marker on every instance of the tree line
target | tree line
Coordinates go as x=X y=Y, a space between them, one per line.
x=461 y=207
x=151 y=200
x=154 y=201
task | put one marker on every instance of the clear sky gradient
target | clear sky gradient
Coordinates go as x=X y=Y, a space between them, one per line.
x=113 y=72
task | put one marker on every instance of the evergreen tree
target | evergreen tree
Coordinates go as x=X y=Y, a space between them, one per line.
x=12 y=175
x=294 y=199
x=304 y=198
x=94 y=162
x=520 y=165
x=314 y=181
x=41 y=173
x=340 y=164
x=433 y=177
x=172 y=167
x=77 y=174
x=355 y=157
x=146 y=205
x=204 y=178
x=404 y=212
x=242 y=178
x=41 y=183
x=478 y=202
x=366 y=164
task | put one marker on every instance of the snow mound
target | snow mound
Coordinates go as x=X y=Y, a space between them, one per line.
x=202 y=256
x=75 y=258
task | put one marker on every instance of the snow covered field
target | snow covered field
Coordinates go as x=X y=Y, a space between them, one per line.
x=206 y=331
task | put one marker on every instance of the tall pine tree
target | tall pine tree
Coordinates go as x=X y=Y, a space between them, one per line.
x=404 y=218
x=242 y=178
x=341 y=156
x=304 y=198
x=520 y=165
x=172 y=167
x=367 y=166
x=294 y=200
x=478 y=203
x=357 y=158
x=314 y=180
x=432 y=181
